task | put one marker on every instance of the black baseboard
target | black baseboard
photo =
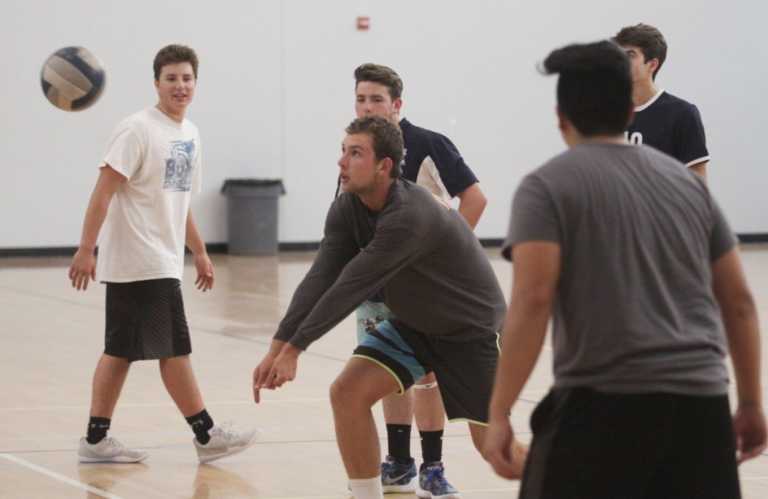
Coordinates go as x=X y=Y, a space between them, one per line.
x=753 y=238
x=68 y=251
x=43 y=252
x=299 y=246
x=491 y=243
x=215 y=248
x=221 y=248
x=314 y=245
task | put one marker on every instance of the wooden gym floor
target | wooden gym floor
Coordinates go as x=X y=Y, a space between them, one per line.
x=50 y=340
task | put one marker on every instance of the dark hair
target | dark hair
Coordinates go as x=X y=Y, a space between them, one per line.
x=648 y=39
x=174 y=54
x=386 y=137
x=380 y=74
x=594 y=90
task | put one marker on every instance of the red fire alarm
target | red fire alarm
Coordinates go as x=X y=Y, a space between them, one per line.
x=363 y=23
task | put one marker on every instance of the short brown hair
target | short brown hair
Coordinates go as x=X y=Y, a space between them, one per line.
x=648 y=39
x=386 y=137
x=174 y=54
x=382 y=75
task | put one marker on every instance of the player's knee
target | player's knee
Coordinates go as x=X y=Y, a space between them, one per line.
x=347 y=393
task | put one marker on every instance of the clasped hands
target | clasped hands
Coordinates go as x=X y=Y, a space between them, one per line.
x=276 y=368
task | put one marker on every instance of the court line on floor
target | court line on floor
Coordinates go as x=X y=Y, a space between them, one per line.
x=150 y=405
x=242 y=337
x=264 y=342
x=142 y=405
x=236 y=336
x=59 y=477
x=36 y=294
x=382 y=438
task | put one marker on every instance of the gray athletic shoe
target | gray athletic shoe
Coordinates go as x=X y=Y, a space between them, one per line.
x=224 y=441
x=108 y=450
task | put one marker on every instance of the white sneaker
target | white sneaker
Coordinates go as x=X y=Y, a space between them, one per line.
x=224 y=441
x=108 y=450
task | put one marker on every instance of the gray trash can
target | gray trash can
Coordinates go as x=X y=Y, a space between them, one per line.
x=252 y=215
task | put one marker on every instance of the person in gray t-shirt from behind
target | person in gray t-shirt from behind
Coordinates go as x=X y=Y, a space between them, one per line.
x=632 y=257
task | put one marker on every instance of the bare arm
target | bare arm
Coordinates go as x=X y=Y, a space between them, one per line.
x=741 y=325
x=472 y=203
x=193 y=240
x=536 y=272
x=83 y=265
x=203 y=264
x=743 y=333
x=700 y=169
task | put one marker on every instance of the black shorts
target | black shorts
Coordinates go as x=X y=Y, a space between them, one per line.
x=594 y=445
x=145 y=320
x=464 y=368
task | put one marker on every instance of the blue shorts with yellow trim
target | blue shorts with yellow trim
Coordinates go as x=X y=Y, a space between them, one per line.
x=464 y=367
x=368 y=315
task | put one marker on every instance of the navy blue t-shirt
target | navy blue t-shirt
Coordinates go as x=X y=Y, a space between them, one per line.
x=431 y=160
x=672 y=126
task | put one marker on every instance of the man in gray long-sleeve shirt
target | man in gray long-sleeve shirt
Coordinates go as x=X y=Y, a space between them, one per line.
x=390 y=234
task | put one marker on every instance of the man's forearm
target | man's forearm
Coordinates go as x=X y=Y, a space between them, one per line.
x=472 y=204
x=94 y=219
x=193 y=239
x=291 y=349
x=276 y=346
x=744 y=345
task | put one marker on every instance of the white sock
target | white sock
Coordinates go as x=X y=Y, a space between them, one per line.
x=366 y=488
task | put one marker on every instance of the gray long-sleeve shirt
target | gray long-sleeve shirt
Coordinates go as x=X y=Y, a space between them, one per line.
x=435 y=275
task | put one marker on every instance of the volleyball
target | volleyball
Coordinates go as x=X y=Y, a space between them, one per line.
x=72 y=78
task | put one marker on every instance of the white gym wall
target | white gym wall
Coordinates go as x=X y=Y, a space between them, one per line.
x=276 y=90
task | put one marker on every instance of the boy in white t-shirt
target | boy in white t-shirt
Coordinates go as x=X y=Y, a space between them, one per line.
x=142 y=198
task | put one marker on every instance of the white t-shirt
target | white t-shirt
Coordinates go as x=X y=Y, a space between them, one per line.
x=144 y=233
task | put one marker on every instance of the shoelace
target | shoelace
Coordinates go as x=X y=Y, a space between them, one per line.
x=225 y=430
x=114 y=444
x=435 y=474
x=390 y=468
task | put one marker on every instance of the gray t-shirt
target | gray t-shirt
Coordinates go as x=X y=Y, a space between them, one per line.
x=634 y=311
x=434 y=274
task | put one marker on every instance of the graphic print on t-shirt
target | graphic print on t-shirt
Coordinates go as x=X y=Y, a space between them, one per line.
x=178 y=168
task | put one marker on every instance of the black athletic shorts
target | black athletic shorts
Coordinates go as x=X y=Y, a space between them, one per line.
x=464 y=368
x=595 y=445
x=145 y=320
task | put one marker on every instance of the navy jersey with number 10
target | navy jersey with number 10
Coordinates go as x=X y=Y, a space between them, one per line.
x=433 y=161
x=672 y=126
